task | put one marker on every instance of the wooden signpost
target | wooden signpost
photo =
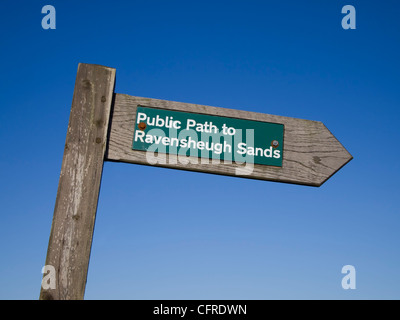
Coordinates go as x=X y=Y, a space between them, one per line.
x=105 y=126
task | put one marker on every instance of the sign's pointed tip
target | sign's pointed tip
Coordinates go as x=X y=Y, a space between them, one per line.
x=345 y=160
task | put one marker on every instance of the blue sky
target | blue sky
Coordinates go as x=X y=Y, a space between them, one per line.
x=186 y=235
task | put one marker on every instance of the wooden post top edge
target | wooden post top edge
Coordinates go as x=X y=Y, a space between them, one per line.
x=96 y=65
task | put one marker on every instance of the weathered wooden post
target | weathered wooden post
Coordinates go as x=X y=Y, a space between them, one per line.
x=79 y=185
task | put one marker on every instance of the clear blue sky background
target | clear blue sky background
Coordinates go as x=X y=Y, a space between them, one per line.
x=169 y=234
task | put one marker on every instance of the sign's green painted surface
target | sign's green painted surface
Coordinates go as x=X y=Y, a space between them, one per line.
x=206 y=136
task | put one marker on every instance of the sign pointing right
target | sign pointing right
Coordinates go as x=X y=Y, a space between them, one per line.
x=104 y=125
x=186 y=136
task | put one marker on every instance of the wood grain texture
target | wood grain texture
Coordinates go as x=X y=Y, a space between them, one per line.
x=311 y=154
x=76 y=203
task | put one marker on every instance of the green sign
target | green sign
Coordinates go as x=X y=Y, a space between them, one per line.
x=206 y=136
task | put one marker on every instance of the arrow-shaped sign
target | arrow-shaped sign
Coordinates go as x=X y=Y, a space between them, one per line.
x=223 y=141
x=173 y=135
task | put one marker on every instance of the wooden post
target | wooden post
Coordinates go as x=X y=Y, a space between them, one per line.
x=79 y=185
